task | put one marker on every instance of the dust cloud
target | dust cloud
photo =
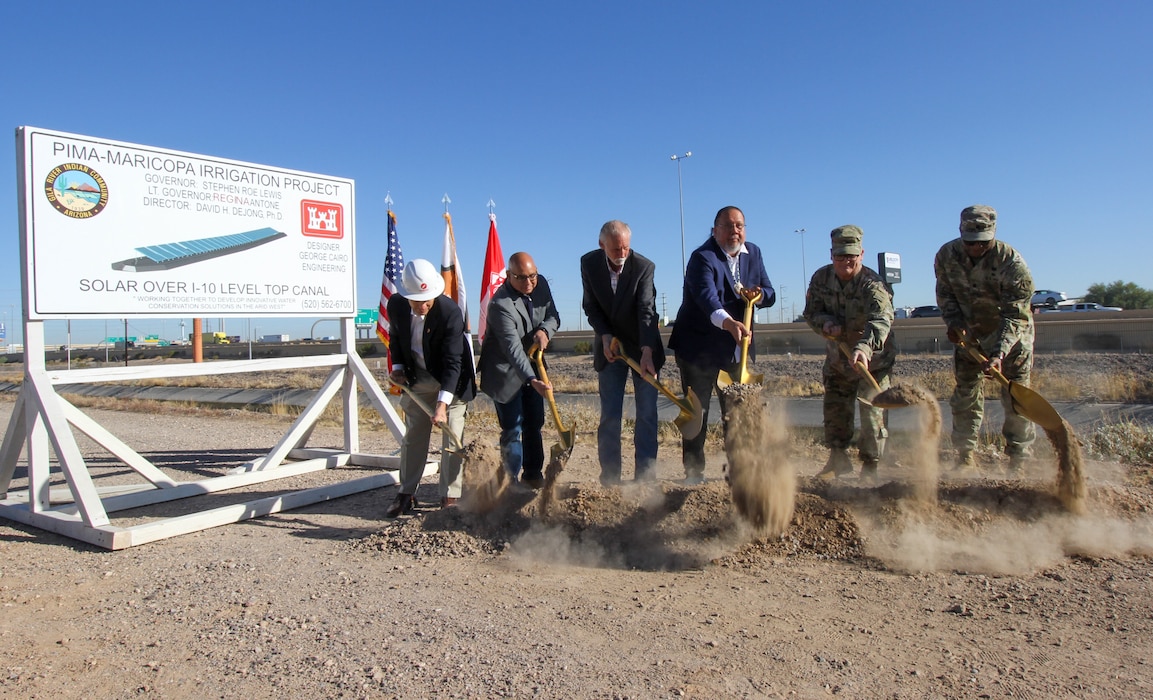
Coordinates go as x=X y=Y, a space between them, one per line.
x=763 y=482
x=1003 y=546
x=925 y=450
x=915 y=523
x=1070 y=468
x=485 y=480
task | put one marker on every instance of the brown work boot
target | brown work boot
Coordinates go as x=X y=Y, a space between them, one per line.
x=869 y=471
x=404 y=504
x=966 y=465
x=1016 y=464
x=448 y=502
x=838 y=464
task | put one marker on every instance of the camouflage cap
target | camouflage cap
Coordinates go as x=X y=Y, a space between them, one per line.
x=978 y=223
x=847 y=240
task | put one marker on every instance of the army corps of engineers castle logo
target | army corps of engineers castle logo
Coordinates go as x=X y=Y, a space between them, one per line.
x=76 y=191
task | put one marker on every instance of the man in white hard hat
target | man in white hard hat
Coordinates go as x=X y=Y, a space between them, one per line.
x=431 y=358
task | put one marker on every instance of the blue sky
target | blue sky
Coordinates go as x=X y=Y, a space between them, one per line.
x=889 y=115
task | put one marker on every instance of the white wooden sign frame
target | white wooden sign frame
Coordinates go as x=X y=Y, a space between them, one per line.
x=42 y=417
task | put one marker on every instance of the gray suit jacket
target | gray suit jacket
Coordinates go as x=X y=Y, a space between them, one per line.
x=628 y=314
x=505 y=367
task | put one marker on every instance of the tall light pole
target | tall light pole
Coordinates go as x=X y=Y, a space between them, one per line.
x=681 y=199
x=804 y=272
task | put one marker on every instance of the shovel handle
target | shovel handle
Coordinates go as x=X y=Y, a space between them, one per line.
x=457 y=445
x=538 y=359
x=980 y=357
x=861 y=366
x=749 y=302
x=616 y=348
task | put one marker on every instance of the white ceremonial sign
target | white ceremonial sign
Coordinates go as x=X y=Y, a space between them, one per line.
x=112 y=229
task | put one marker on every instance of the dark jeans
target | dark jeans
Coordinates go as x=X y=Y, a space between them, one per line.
x=521 y=443
x=703 y=381
x=611 y=382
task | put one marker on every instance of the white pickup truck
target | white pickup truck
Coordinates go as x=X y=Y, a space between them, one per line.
x=1083 y=306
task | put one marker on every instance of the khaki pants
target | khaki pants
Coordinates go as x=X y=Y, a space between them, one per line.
x=418 y=434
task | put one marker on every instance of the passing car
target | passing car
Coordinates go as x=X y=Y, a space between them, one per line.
x=925 y=312
x=1088 y=306
x=1047 y=297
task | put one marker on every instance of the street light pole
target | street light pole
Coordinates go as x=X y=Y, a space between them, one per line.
x=681 y=200
x=804 y=272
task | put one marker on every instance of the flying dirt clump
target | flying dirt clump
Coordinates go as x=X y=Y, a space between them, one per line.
x=485 y=479
x=1070 y=470
x=763 y=483
x=552 y=470
x=927 y=466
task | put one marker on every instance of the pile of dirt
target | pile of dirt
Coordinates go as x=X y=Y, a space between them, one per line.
x=650 y=527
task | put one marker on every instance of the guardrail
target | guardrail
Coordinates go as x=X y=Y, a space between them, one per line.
x=1121 y=331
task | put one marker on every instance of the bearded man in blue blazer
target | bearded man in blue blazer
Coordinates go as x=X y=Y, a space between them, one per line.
x=709 y=326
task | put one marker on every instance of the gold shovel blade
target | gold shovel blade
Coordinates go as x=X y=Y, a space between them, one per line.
x=690 y=421
x=559 y=453
x=1033 y=406
x=725 y=379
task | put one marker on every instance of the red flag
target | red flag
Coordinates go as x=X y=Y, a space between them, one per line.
x=494 y=272
x=393 y=266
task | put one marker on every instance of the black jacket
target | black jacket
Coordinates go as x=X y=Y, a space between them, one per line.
x=628 y=314
x=446 y=354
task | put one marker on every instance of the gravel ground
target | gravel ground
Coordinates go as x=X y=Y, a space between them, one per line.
x=648 y=590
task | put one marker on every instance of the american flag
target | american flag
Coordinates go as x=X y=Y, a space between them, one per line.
x=393 y=266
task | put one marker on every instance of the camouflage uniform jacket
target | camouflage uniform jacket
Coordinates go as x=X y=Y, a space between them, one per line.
x=862 y=307
x=989 y=295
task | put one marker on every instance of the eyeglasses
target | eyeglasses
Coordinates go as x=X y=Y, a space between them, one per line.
x=523 y=278
x=845 y=257
x=974 y=244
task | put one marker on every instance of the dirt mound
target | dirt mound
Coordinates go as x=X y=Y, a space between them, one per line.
x=997 y=527
x=658 y=527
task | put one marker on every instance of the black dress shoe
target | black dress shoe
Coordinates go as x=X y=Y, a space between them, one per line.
x=404 y=504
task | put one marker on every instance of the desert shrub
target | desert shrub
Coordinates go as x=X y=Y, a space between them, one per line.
x=366 y=349
x=582 y=347
x=1127 y=442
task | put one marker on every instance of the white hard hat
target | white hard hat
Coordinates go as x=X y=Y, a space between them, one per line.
x=420 y=281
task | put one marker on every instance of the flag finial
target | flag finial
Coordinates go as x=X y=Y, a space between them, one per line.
x=388 y=199
x=491 y=206
x=446 y=201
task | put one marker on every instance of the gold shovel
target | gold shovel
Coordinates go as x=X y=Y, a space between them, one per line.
x=863 y=368
x=1026 y=402
x=743 y=375
x=456 y=447
x=691 y=416
x=567 y=435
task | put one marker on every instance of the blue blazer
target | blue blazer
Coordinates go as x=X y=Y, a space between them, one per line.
x=710 y=286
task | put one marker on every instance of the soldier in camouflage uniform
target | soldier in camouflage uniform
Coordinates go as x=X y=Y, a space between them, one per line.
x=848 y=303
x=984 y=288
